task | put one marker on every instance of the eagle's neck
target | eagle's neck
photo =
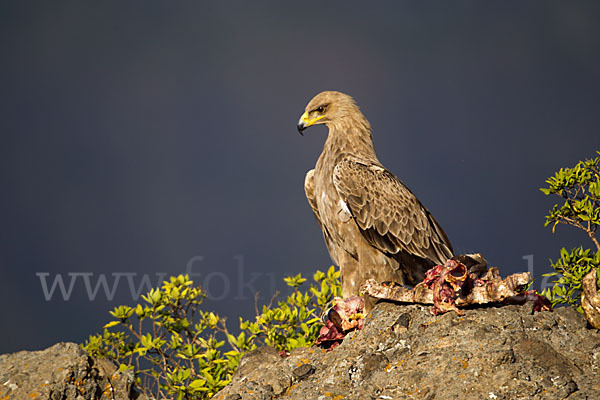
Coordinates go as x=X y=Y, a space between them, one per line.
x=348 y=137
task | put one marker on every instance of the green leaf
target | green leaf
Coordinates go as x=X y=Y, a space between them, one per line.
x=111 y=324
x=197 y=383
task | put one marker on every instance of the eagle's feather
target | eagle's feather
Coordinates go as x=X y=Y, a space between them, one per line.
x=373 y=225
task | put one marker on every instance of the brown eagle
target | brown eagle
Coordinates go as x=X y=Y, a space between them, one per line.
x=373 y=225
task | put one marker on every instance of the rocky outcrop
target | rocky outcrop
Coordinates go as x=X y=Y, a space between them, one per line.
x=62 y=372
x=404 y=352
x=590 y=299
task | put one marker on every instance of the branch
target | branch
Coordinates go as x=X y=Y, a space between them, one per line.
x=590 y=231
x=591 y=235
x=223 y=329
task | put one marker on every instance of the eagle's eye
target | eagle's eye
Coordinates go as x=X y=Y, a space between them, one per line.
x=320 y=109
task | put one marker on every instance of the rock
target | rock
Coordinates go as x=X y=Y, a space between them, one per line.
x=303 y=371
x=590 y=299
x=62 y=372
x=404 y=352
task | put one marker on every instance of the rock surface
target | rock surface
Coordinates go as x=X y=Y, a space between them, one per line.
x=62 y=372
x=404 y=352
x=590 y=299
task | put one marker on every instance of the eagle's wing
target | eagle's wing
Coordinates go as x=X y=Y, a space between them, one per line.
x=309 y=189
x=388 y=215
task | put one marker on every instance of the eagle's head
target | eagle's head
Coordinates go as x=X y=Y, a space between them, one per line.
x=327 y=108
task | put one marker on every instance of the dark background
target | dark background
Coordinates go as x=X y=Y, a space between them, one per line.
x=138 y=135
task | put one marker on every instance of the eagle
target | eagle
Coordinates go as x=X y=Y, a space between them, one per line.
x=373 y=225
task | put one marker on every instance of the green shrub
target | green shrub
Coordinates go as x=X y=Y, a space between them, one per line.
x=296 y=321
x=580 y=188
x=177 y=350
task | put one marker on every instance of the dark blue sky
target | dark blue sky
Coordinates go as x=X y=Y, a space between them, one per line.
x=140 y=136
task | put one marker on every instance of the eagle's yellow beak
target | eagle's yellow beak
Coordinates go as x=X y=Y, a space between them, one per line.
x=305 y=122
